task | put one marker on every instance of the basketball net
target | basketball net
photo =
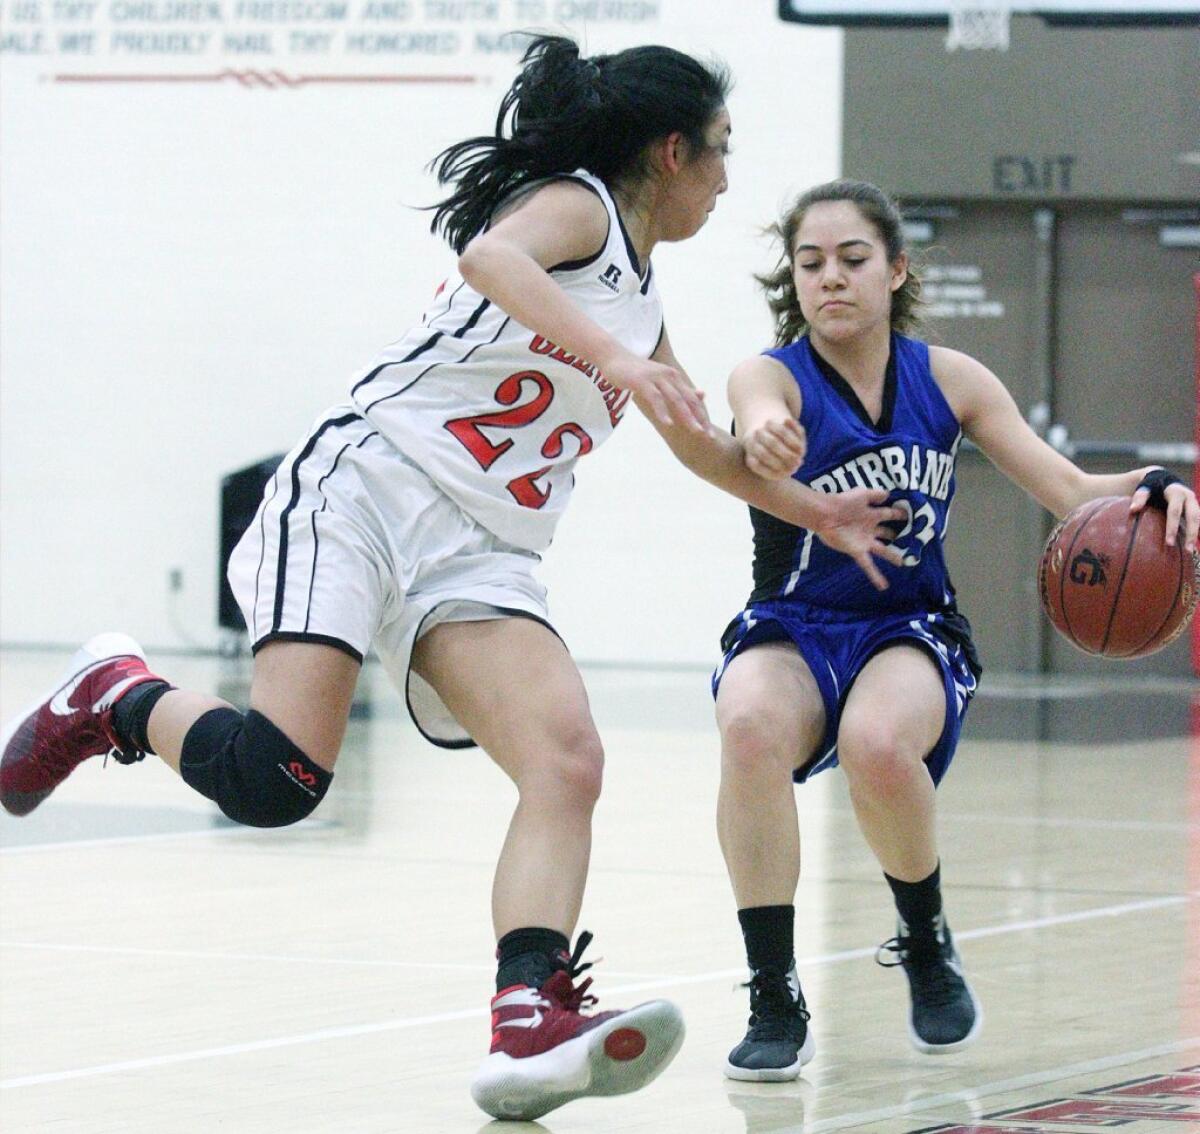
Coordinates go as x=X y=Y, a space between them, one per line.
x=981 y=25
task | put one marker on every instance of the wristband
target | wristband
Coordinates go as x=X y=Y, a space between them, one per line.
x=1157 y=481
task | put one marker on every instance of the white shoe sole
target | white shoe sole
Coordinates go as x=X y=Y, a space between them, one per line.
x=525 y=1089
x=774 y=1074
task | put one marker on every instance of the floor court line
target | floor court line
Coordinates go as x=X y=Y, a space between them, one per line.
x=353 y=1030
x=325 y=824
x=275 y=958
x=651 y=980
x=161 y=836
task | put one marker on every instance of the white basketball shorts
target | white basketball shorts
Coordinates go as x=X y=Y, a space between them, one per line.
x=354 y=546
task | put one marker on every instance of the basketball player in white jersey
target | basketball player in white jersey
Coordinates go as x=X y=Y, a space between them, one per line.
x=411 y=519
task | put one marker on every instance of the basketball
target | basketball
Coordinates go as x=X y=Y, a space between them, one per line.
x=1109 y=583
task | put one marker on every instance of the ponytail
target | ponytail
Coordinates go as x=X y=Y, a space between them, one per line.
x=566 y=112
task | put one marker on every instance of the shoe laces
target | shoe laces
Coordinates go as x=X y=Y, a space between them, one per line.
x=60 y=758
x=774 y=1013
x=927 y=960
x=560 y=984
x=123 y=755
x=117 y=750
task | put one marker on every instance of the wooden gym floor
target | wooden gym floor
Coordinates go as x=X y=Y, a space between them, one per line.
x=163 y=972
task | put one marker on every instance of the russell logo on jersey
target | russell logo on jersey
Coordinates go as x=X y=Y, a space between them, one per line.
x=611 y=278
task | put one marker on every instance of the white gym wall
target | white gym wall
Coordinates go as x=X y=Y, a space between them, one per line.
x=190 y=272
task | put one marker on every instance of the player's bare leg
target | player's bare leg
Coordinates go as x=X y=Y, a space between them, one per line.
x=893 y=717
x=270 y=767
x=512 y=685
x=532 y=718
x=305 y=688
x=771 y=718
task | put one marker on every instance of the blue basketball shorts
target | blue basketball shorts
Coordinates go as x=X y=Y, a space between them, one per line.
x=836 y=651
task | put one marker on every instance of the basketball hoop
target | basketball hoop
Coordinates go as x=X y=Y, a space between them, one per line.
x=978 y=26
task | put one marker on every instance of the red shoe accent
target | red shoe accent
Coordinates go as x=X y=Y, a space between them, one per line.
x=624 y=1044
x=546 y=1051
x=530 y=1021
x=72 y=723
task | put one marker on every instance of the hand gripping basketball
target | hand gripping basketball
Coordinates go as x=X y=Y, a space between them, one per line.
x=1111 y=584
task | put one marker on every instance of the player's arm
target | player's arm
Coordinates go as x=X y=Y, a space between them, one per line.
x=851 y=522
x=509 y=264
x=766 y=407
x=990 y=418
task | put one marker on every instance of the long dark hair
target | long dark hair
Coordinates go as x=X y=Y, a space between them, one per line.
x=881 y=211
x=566 y=112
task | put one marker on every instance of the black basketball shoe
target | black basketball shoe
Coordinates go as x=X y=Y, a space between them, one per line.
x=945 y=1015
x=778 y=1042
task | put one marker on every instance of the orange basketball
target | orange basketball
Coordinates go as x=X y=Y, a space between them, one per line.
x=1109 y=583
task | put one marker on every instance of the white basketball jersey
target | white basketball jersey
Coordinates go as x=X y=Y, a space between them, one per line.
x=497 y=415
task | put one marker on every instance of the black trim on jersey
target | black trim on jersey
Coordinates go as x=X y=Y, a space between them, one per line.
x=304 y=454
x=262 y=554
x=649 y=275
x=435 y=365
x=775 y=543
x=846 y=392
x=449 y=305
x=629 y=248
x=575 y=265
x=475 y=315
x=662 y=334
x=298 y=636
x=951 y=629
x=428 y=344
x=533 y=187
x=312 y=576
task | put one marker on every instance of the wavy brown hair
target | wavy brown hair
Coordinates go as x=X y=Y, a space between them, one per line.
x=882 y=212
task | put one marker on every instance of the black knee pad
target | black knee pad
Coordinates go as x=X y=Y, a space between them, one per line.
x=250 y=770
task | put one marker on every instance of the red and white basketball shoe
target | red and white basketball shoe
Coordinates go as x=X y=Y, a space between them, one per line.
x=73 y=722
x=546 y=1052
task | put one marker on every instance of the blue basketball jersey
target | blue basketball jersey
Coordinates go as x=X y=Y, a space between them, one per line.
x=910 y=452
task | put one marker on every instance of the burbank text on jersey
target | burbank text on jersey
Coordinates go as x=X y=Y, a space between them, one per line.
x=908 y=451
x=926 y=471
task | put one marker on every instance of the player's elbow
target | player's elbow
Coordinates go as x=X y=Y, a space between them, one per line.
x=1067 y=492
x=475 y=263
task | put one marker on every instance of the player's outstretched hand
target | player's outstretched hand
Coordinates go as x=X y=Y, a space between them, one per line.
x=776 y=449
x=858 y=528
x=667 y=393
x=1162 y=490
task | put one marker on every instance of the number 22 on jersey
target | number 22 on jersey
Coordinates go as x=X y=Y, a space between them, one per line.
x=469 y=431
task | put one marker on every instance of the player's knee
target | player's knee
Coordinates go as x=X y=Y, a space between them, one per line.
x=251 y=770
x=753 y=742
x=573 y=772
x=873 y=756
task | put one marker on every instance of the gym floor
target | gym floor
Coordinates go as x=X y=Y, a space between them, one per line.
x=165 y=972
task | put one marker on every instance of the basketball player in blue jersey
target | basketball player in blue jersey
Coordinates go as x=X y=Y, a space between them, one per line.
x=821 y=668
x=411 y=519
